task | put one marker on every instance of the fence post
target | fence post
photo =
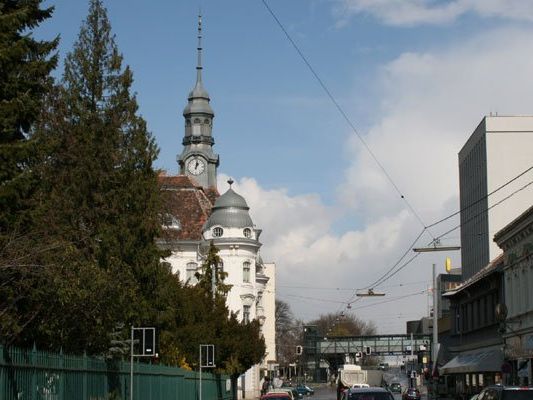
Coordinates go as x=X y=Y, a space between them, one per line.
x=84 y=384
x=3 y=385
x=61 y=374
x=33 y=389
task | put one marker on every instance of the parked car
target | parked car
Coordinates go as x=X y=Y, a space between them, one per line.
x=291 y=391
x=276 y=396
x=499 y=392
x=304 y=390
x=411 y=394
x=369 y=393
x=395 y=387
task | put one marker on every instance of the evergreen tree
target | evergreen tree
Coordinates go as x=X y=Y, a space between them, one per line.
x=25 y=65
x=99 y=198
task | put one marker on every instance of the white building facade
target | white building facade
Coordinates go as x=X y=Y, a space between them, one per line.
x=495 y=155
x=197 y=215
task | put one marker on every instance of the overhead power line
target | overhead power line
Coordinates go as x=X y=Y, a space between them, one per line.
x=481 y=198
x=344 y=115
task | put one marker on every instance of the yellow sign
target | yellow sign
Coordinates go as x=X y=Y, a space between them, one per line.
x=424 y=360
x=448 y=264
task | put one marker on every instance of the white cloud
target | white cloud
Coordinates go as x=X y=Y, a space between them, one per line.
x=417 y=12
x=431 y=102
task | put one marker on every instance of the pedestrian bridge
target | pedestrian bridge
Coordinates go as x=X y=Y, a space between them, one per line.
x=380 y=345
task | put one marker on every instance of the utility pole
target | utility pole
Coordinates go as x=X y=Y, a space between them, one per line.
x=435 y=345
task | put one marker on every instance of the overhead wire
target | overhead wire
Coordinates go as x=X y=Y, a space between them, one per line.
x=345 y=116
x=387 y=275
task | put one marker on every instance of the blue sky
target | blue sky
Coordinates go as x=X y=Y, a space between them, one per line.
x=415 y=77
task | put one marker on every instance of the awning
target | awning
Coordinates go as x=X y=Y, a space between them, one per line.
x=479 y=361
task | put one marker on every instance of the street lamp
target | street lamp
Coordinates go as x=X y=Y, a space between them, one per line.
x=435 y=247
x=369 y=293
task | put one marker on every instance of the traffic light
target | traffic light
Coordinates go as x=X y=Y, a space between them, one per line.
x=299 y=350
x=368 y=350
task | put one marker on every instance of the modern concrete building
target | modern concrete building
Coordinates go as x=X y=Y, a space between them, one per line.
x=499 y=150
x=196 y=215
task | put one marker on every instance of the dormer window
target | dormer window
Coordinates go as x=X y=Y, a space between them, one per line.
x=247 y=233
x=170 y=222
x=218 y=231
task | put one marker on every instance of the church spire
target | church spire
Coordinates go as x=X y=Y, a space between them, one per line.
x=199 y=65
x=197 y=158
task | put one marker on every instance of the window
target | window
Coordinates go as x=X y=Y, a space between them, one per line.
x=218 y=231
x=206 y=121
x=197 y=120
x=247 y=233
x=170 y=222
x=191 y=271
x=246 y=314
x=246 y=272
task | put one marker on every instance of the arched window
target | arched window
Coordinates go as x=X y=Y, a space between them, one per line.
x=191 y=271
x=247 y=233
x=218 y=231
x=246 y=272
x=197 y=120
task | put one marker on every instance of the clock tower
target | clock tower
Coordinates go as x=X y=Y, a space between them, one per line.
x=197 y=159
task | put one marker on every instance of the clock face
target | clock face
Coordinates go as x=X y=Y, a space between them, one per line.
x=195 y=166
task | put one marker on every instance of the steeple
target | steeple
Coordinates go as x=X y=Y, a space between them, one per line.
x=197 y=158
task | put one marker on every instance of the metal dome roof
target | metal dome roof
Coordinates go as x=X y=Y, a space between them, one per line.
x=230 y=211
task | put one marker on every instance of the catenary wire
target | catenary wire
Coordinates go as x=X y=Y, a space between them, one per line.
x=345 y=116
x=481 y=198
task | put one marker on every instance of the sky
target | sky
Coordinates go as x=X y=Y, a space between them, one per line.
x=346 y=153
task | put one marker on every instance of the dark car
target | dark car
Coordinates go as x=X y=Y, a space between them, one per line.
x=499 y=392
x=411 y=394
x=369 y=393
x=395 y=387
x=304 y=390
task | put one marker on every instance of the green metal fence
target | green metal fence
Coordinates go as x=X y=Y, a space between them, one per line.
x=38 y=375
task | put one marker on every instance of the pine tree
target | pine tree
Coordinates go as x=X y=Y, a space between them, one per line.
x=99 y=198
x=25 y=66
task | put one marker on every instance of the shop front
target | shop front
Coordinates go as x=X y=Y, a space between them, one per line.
x=472 y=371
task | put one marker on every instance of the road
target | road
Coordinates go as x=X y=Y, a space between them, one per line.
x=329 y=393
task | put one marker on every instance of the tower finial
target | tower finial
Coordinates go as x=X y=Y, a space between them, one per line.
x=199 y=48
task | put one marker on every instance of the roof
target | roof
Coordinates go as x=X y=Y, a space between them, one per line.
x=522 y=218
x=188 y=203
x=494 y=266
x=230 y=211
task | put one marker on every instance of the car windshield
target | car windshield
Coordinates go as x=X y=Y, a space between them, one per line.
x=517 y=395
x=370 y=396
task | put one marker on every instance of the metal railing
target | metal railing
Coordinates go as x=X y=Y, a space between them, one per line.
x=30 y=374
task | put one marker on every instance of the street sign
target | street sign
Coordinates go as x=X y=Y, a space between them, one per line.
x=207 y=355
x=144 y=342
